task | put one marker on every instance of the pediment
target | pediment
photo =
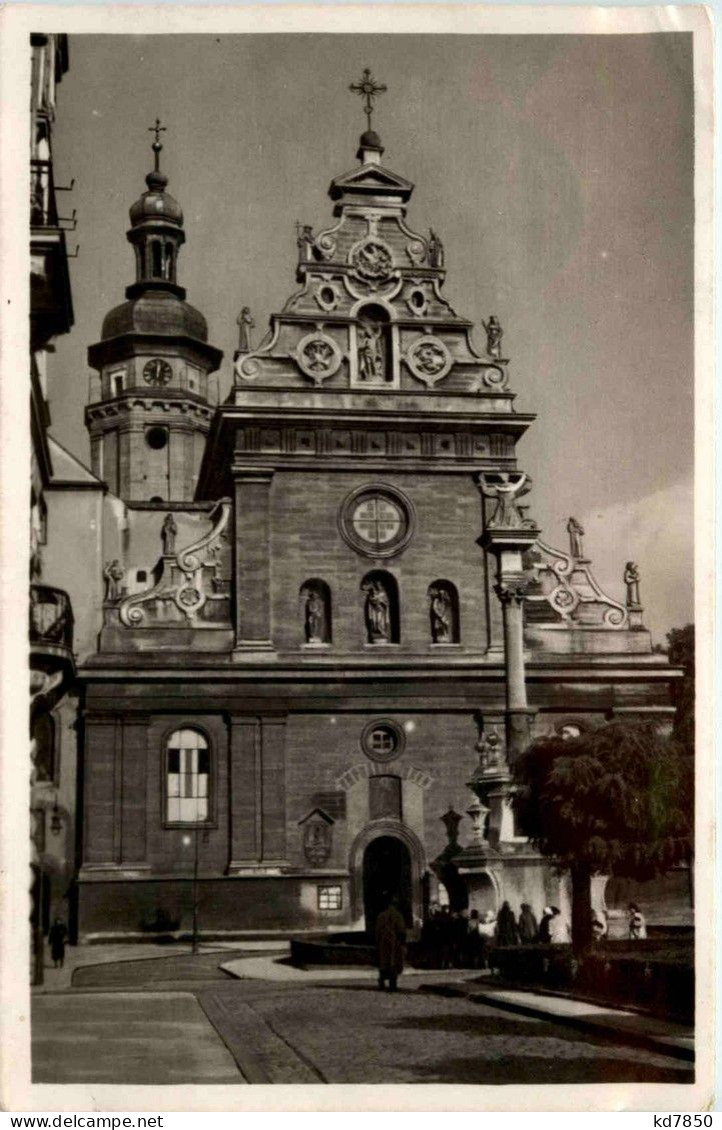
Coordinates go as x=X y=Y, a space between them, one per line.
x=371 y=180
x=318 y=815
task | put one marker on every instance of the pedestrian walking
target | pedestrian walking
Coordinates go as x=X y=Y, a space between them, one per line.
x=544 y=936
x=56 y=936
x=637 y=923
x=507 y=931
x=528 y=927
x=390 y=941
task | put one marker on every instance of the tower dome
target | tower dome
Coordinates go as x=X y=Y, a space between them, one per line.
x=156 y=203
x=154 y=362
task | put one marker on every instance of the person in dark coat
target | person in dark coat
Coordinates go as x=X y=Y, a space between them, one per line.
x=56 y=936
x=390 y=940
x=507 y=932
x=528 y=928
x=544 y=937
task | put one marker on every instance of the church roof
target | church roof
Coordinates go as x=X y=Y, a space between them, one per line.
x=68 y=469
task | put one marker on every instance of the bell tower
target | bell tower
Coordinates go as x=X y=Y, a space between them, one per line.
x=149 y=424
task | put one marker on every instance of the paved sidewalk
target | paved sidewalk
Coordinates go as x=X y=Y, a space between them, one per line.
x=633 y=1028
x=147 y=1038
x=82 y=956
x=274 y=967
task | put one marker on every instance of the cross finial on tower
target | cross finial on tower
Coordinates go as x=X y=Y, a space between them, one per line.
x=368 y=88
x=157 y=129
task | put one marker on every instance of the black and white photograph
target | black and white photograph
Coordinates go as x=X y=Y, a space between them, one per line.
x=360 y=742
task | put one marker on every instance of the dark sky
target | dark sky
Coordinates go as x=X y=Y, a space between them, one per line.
x=558 y=171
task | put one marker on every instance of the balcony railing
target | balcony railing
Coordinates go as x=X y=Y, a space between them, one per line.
x=43 y=209
x=51 y=617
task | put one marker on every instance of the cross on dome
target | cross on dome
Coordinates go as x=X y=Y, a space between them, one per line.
x=157 y=129
x=369 y=89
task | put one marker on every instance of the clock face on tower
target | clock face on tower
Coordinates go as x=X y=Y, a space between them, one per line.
x=157 y=371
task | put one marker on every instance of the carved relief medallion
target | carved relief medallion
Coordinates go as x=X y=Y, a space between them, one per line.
x=372 y=260
x=429 y=360
x=318 y=356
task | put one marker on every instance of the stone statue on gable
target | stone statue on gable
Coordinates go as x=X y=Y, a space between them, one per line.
x=113 y=574
x=631 y=580
x=168 y=535
x=436 y=250
x=494 y=334
x=305 y=241
x=245 y=324
x=576 y=533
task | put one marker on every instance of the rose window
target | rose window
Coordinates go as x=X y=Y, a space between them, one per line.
x=377 y=521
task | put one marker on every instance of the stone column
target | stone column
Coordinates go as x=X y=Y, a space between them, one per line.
x=508 y=534
x=511 y=590
x=252 y=488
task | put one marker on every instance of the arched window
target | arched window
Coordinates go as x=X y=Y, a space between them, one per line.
x=374 y=355
x=316 y=611
x=187 y=778
x=157 y=269
x=444 y=612
x=381 y=607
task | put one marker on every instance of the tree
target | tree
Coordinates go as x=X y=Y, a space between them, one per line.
x=615 y=800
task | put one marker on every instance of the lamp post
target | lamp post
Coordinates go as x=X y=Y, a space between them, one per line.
x=194 y=886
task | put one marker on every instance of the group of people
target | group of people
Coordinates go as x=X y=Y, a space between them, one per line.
x=463 y=939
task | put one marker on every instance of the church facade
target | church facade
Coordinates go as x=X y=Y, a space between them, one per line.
x=329 y=621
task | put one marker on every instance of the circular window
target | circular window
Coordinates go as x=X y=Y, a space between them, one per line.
x=382 y=740
x=156 y=438
x=377 y=520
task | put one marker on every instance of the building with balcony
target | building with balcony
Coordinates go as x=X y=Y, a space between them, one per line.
x=51 y=620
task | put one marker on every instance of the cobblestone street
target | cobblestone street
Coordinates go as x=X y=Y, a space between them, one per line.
x=152 y=1022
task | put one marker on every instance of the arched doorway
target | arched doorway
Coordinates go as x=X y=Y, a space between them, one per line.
x=386 y=872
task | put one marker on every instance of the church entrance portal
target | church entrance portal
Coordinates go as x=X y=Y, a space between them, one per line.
x=386 y=872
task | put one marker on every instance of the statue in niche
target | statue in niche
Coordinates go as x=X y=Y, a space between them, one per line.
x=507 y=487
x=168 y=535
x=370 y=353
x=436 y=250
x=305 y=242
x=315 y=617
x=631 y=580
x=494 y=334
x=113 y=574
x=377 y=609
x=576 y=534
x=245 y=324
x=441 y=615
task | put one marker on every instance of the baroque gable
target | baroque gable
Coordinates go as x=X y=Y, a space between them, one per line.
x=370 y=313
